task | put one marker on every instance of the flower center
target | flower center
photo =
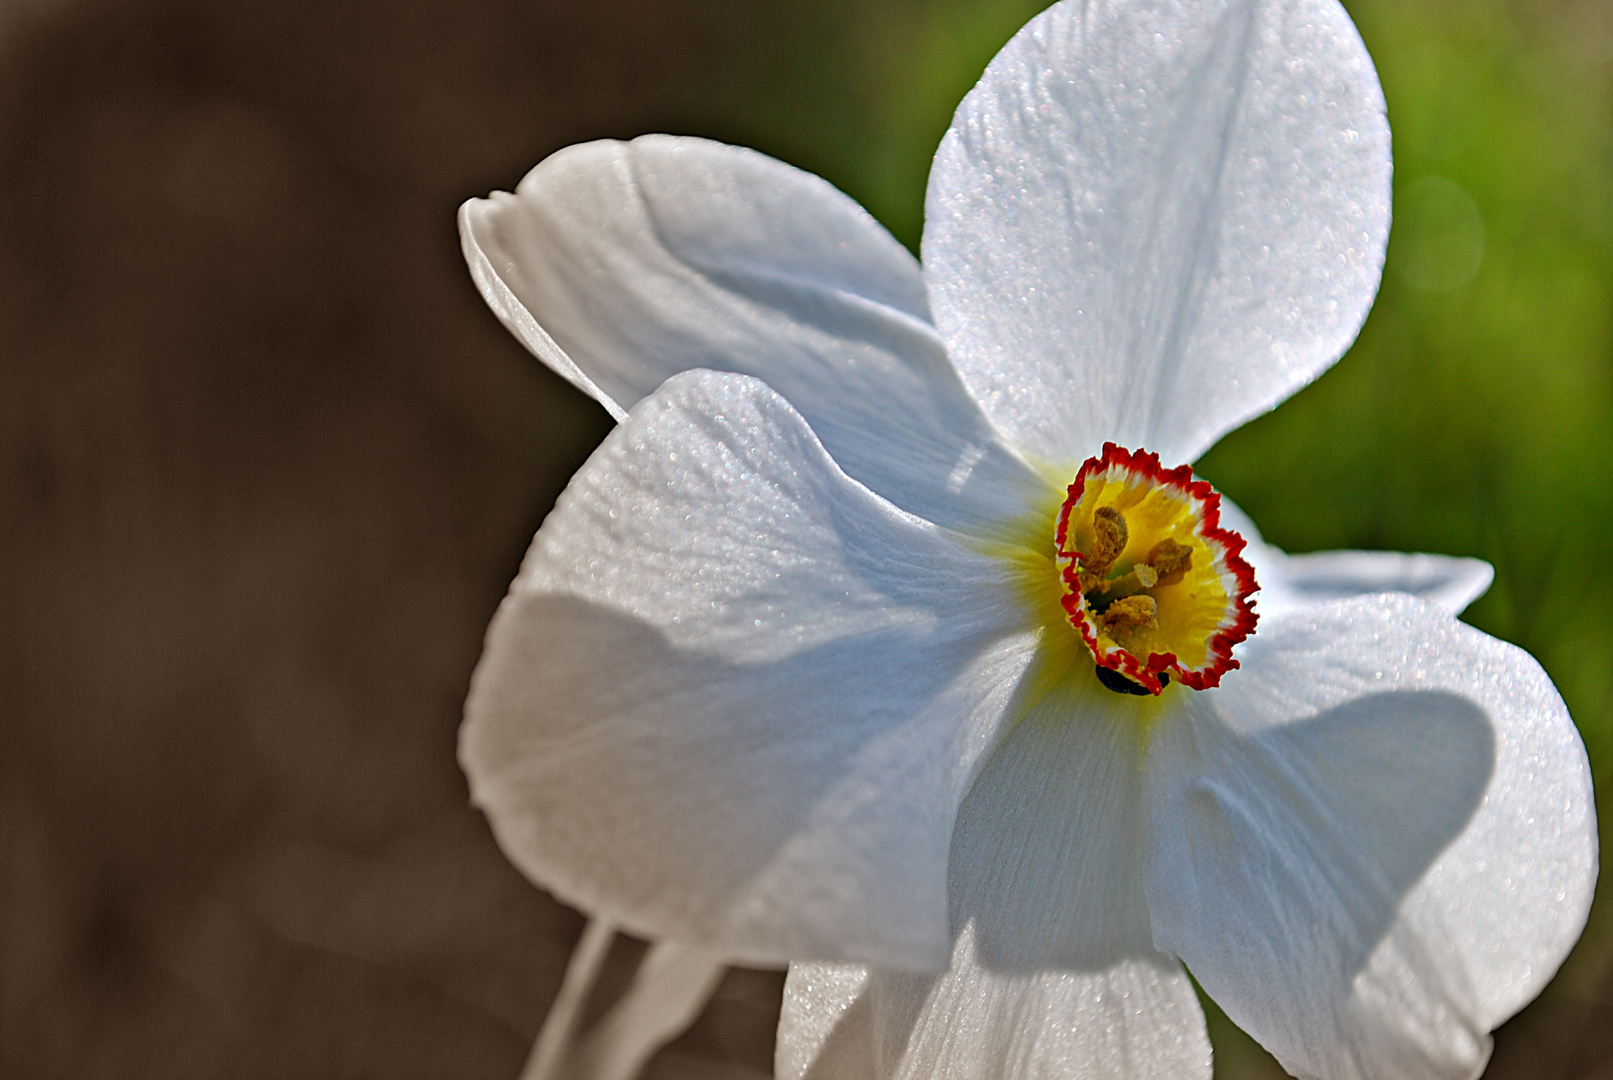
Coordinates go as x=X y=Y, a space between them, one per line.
x=1153 y=583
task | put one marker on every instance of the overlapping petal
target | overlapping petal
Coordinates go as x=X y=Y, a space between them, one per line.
x=1377 y=843
x=1054 y=973
x=1447 y=582
x=621 y=264
x=1291 y=582
x=1152 y=221
x=734 y=699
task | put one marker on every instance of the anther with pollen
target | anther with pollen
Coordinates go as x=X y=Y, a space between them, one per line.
x=1130 y=613
x=1170 y=560
x=1109 y=536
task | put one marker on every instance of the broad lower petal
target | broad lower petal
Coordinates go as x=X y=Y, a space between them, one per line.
x=621 y=264
x=1376 y=843
x=1053 y=972
x=734 y=699
x=1150 y=222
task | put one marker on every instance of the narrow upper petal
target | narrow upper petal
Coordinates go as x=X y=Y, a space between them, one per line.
x=1290 y=582
x=1377 y=843
x=1152 y=221
x=1054 y=973
x=734 y=698
x=1445 y=581
x=621 y=264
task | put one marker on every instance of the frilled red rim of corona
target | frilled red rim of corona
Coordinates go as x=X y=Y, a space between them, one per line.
x=1194 y=613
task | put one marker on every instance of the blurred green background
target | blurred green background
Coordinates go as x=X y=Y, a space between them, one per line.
x=267 y=465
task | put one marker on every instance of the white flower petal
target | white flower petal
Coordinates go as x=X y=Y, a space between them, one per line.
x=1306 y=580
x=1152 y=221
x=1136 y=1018
x=1374 y=844
x=734 y=699
x=1292 y=582
x=826 y=1026
x=621 y=264
x=1053 y=973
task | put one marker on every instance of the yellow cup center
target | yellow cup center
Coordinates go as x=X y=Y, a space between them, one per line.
x=1155 y=586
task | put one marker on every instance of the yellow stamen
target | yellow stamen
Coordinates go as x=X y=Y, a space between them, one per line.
x=1170 y=560
x=1109 y=534
x=1109 y=540
x=1130 y=613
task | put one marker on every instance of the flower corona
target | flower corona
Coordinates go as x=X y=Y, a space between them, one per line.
x=1154 y=584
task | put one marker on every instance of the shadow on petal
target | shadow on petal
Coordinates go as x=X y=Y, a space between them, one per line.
x=1047 y=860
x=1285 y=861
x=1323 y=826
x=797 y=806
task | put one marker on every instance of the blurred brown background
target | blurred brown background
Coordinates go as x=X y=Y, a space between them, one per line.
x=266 y=467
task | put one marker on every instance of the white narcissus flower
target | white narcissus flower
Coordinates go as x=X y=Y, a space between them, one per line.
x=817 y=658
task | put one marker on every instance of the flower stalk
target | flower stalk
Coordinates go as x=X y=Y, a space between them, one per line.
x=671 y=987
x=560 y=1026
